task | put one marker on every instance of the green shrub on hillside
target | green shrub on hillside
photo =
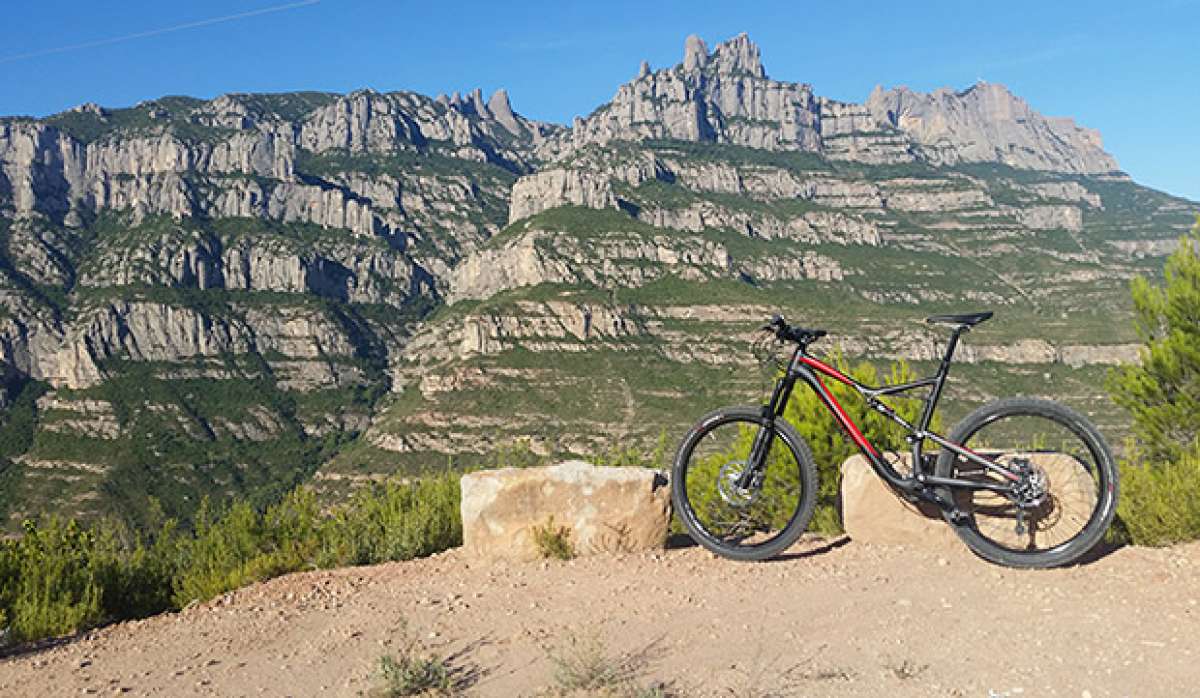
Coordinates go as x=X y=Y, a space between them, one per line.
x=1160 y=505
x=243 y=546
x=50 y=580
x=1160 y=477
x=1162 y=393
x=394 y=521
x=61 y=576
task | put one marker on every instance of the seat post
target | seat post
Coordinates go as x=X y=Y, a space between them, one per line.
x=943 y=371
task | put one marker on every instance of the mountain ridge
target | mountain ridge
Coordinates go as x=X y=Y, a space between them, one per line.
x=725 y=96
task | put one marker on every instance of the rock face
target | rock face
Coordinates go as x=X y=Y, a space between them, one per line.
x=606 y=510
x=726 y=97
x=553 y=188
x=873 y=513
x=987 y=123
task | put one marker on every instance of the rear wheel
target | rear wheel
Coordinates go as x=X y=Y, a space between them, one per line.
x=735 y=515
x=1068 y=491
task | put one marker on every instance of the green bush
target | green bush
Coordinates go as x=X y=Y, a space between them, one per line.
x=394 y=521
x=61 y=577
x=1162 y=393
x=553 y=541
x=1160 y=505
x=1160 y=475
x=243 y=546
x=50 y=580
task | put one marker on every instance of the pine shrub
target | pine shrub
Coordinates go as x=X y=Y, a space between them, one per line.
x=1160 y=475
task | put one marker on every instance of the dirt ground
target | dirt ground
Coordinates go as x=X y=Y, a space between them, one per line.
x=831 y=618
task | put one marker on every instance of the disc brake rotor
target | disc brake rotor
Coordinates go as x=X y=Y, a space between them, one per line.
x=727 y=485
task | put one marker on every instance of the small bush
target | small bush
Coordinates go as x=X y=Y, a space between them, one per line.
x=553 y=542
x=412 y=674
x=1160 y=504
x=411 y=671
x=395 y=521
x=51 y=580
x=584 y=664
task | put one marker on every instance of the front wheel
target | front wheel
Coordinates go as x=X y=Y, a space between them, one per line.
x=1068 y=489
x=727 y=506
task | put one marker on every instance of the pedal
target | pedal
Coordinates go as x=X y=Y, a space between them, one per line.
x=953 y=514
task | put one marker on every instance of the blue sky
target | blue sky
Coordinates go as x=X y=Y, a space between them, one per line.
x=1129 y=69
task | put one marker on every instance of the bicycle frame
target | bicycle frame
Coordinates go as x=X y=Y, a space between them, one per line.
x=803 y=367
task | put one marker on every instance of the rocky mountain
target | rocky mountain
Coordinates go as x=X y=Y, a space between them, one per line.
x=210 y=298
x=726 y=97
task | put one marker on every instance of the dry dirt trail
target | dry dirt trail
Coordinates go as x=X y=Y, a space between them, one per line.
x=830 y=619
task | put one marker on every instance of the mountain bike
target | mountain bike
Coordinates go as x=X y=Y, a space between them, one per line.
x=1024 y=482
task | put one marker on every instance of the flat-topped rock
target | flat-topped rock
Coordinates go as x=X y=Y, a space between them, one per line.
x=604 y=509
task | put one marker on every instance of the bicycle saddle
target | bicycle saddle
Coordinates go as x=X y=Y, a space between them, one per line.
x=970 y=319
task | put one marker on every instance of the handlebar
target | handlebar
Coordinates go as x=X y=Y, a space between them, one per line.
x=787 y=333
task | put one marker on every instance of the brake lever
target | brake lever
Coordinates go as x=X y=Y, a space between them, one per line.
x=775 y=324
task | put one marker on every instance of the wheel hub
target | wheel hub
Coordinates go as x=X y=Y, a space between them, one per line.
x=727 y=485
x=1031 y=492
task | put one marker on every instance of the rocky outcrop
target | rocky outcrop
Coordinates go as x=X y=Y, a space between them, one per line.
x=599 y=510
x=1066 y=191
x=559 y=187
x=630 y=259
x=339 y=270
x=723 y=96
x=300 y=342
x=726 y=97
x=1050 y=217
x=234 y=157
x=987 y=123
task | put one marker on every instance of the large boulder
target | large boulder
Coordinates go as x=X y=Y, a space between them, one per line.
x=873 y=513
x=604 y=509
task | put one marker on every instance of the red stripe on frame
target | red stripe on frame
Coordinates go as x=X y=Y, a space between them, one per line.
x=855 y=434
x=826 y=369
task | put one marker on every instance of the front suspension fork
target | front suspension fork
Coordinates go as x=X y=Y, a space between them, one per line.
x=761 y=447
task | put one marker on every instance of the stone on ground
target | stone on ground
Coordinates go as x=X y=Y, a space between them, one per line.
x=604 y=509
x=873 y=513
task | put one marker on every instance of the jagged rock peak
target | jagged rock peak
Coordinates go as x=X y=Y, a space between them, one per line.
x=739 y=55
x=695 y=53
x=501 y=110
x=477 y=103
x=644 y=69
